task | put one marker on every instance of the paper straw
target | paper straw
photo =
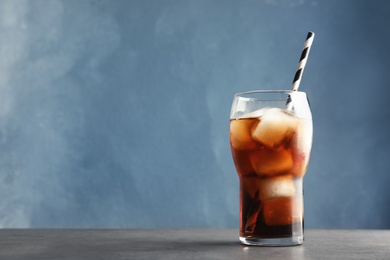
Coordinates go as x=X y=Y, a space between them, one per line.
x=302 y=61
x=301 y=67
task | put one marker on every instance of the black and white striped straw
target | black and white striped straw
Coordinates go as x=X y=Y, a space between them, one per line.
x=302 y=61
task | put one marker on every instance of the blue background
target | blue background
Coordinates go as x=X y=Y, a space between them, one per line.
x=115 y=113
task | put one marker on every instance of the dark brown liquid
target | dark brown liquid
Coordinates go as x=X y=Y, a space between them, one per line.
x=254 y=215
x=271 y=199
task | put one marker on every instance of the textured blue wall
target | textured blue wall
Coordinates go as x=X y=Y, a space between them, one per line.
x=115 y=113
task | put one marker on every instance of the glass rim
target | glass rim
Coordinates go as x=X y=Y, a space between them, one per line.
x=282 y=91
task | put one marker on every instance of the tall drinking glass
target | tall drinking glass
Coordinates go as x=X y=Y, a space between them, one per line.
x=271 y=138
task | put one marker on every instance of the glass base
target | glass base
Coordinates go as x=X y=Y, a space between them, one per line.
x=285 y=241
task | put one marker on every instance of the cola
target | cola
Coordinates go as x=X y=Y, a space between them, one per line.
x=271 y=151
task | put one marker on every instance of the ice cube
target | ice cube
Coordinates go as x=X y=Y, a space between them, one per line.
x=304 y=135
x=275 y=125
x=283 y=211
x=240 y=133
x=268 y=162
x=277 y=187
x=301 y=161
x=301 y=146
x=242 y=162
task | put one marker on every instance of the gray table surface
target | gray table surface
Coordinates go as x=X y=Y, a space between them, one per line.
x=185 y=244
